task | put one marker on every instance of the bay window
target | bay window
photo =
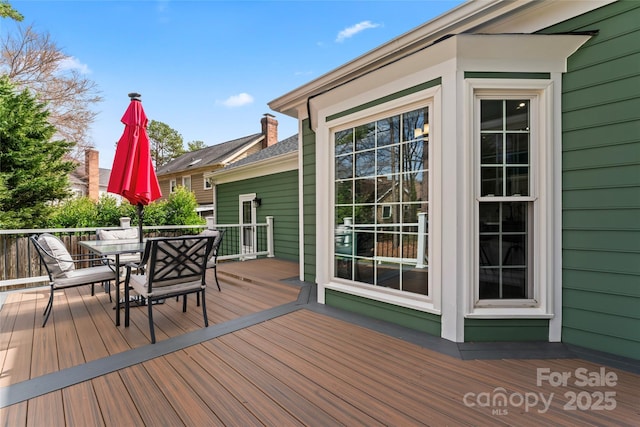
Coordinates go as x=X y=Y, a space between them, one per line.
x=381 y=202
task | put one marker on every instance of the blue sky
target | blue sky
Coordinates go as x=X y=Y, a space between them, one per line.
x=209 y=68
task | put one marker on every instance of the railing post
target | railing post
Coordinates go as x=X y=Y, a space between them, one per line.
x=422 y=228
x=270 y=250
x=211 y=224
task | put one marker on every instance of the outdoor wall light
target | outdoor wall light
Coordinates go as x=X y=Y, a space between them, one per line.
x=257 y=201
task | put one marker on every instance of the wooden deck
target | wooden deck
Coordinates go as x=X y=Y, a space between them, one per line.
x=268 y=358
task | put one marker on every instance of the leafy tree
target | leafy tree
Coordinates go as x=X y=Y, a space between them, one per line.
x=33 y=61
x=181 y=208
x=33 y=168
x=75 y=212
x=109 y=212
x=195 y=145
x=6 y=11
x=166 y=143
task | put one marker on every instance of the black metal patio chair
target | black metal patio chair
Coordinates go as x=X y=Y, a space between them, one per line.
x=173 y=266
x=62 y=271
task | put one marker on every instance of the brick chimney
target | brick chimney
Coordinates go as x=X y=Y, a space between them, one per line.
x=269 y=130
x=92 y=171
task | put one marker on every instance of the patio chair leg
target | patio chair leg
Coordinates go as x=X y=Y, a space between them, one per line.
x=198 y=299
x=153 y=333
x=204 y=309
x=184 y=303
x=215 y=274
x=93 y=289
x=48 y=309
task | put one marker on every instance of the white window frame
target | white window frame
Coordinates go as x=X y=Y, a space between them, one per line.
x=207 y=183
x=542 y=166
x=172 y=185
x=184 y=179
x=430 y=303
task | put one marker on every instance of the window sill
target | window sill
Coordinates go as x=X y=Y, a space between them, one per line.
x=509 y=313
x=385 y=295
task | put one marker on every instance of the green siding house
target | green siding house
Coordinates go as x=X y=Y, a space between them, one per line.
x=270 y=176
x=478 y=178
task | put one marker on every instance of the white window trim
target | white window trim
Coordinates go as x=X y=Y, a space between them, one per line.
x=207 y=183
x=173 y=184
x=543 y=186
x=325 y=167
x=190 y=188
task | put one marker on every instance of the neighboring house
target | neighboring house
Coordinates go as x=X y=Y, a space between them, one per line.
x=520 y=122
x=188 y=170
x=270 y=178
x=90 y=180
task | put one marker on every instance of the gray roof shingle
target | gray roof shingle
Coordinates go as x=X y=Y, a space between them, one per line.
x=284 y=146
x=208 y=155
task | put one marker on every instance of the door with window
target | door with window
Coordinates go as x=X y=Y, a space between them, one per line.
x=248 y=235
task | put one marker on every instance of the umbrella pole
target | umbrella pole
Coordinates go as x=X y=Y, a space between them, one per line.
x=140 y=215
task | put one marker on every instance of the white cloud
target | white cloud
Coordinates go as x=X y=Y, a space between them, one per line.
x=355 y=29
x=238 y=100
x=73 y=63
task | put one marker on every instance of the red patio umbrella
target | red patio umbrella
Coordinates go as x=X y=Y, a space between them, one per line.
x=133 y=175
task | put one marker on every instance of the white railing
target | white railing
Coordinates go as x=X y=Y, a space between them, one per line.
x=20 y=264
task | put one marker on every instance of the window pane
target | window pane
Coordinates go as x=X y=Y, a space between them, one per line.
x=365 y=136
x=364 y=244
x=514 y=284
x=344 y=166
x=517 y=181
x=489 y=217
x=344 y=141
x=365 y=163
x=388 y=131
x=388 y=275
x=344 y=267
x=344 y=192
x=517 y=113
x=365 y=214
x=490 y=250
x=388 y=160
x=414 y=187
x=514 y=217
x=388 y=245
x=388 y=189
x=491 y=148
x=517 y=148
x=514 y=247
x=491 y=115
x=415 y=280
x=489 y=283
x=491 y=181
x=365 y=190
x=413 y=124
x=414 y=156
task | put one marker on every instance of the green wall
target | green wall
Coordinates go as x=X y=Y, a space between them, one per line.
x=414 y=319
x=279 y=194
x=601 y=182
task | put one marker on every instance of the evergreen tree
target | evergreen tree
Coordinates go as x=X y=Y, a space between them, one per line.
x=166 y=142
x=33 y=168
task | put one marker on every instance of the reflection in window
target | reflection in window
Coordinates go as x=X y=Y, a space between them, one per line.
x=381 y=202
x=505 y=227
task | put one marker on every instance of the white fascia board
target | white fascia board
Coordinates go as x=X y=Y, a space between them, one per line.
x=516 y=52
x=283 y=163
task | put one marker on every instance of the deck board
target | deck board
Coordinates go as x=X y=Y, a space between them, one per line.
x=303 y=367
